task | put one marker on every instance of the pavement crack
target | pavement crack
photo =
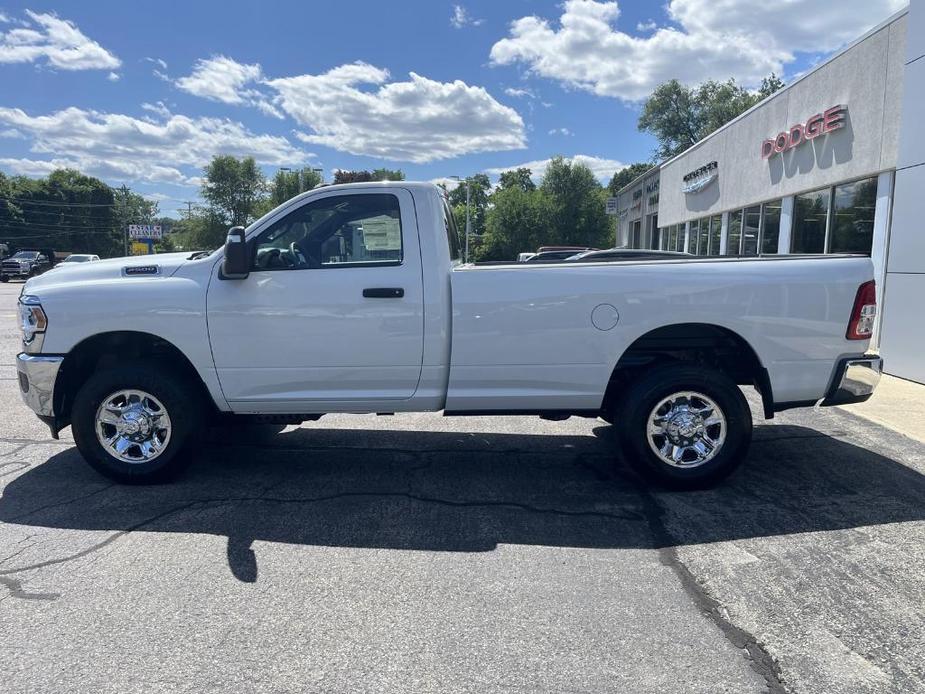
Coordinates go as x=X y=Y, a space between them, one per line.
x=56 y=504
x=529 y=508
x=760 y=660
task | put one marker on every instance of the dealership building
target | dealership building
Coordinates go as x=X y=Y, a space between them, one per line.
x=832 y=163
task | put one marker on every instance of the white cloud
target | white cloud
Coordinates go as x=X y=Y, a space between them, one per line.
x=116 y=146
x=113 y=76
x=222 y=79
x=603 y=169
x=561 y=131
x=5 y=18
x=12 y=133
x=420 y=120
x=519 y=93
x=58 y=41
x=716 y=39
x=651 y=25
x=461 y=18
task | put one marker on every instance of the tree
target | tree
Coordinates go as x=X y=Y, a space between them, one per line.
x=234 y=188
x=679 y=116
x=625 y=176
x=66 y=210
x=347 y=176
x=576 y=205
x=518 y=221
x=479 y=189
x=287 y=184
x=517 y=178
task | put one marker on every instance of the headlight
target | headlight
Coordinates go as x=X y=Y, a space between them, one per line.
x=31 y=317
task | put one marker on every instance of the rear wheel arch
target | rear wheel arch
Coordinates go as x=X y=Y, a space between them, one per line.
x=699 y=344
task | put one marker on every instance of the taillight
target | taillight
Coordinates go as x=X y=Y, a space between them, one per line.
x=861 y=325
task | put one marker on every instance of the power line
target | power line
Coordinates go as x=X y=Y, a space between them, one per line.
x=55 y=203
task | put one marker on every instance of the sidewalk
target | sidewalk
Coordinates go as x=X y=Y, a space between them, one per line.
x=896 y=404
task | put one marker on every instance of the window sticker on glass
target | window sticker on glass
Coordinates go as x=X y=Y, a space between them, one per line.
x=382 y=233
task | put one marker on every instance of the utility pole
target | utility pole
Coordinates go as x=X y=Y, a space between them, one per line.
x=189 y=209
x=468 y=220
x=124 y=217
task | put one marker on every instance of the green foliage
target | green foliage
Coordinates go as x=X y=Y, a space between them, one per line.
x=234 y=188
x=625 y=176
x=567 y=209
x=517 y=178
x=577 y=215
x=679 y=116
x=517 y=222
x=479 y=189
x=66 y=211
x=346 y=176
x=287 y=184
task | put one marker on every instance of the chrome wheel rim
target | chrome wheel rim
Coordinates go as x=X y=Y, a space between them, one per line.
x=133 y=426
x=686 y=430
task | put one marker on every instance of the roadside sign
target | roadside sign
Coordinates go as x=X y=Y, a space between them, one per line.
x=145 y=231
x=139 y=248
x=611 y=206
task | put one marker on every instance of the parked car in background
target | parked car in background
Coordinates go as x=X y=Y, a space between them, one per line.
x=4 y=251
x=551 y=256
x=625 y=254
x=26 y=263
x=353 y=299
x=80 y=258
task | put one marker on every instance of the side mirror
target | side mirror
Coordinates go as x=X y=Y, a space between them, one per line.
x=237 y=262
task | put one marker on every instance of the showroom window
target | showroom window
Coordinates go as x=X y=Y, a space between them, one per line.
x=810 y=216
x=770 y=226
x=716 y=234
x=694 y=236
x=750 y=230
x=852 y=227
x=703 y=237
x=734 y=233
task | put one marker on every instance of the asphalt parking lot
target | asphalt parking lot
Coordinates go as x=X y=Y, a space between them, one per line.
x=418 y=553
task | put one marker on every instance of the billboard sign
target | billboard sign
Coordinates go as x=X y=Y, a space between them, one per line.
x=612 y=206
x=145 y=231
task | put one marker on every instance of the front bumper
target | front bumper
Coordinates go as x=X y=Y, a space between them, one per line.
x=15 y=272
x=37 y=375
x=855 y=380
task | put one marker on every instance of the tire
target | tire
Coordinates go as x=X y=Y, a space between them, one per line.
x=660 y=396
x=159 y=448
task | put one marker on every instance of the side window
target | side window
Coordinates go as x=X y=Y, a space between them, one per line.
x=342 y=230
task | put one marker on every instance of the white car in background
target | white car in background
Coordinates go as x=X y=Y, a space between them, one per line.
x=80 y=258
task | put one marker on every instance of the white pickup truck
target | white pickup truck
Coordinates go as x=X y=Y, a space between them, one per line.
x=352 y=298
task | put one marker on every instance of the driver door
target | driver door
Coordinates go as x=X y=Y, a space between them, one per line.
x=331 y=314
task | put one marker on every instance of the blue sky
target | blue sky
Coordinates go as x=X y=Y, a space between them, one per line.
x=143 y=93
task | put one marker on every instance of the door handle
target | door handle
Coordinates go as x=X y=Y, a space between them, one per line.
x=383 y=292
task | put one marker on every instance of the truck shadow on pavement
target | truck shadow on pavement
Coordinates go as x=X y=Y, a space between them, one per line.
x=461 y=492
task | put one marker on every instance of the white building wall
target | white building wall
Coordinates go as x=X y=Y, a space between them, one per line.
x=867 y=77
x=902 y=331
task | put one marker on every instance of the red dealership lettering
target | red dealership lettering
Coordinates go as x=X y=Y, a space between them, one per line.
x=816 y=125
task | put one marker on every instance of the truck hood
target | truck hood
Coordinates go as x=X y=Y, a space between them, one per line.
x=141 y=267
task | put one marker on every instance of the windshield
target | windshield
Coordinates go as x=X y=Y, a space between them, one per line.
x=27 y=255
x=77 y=259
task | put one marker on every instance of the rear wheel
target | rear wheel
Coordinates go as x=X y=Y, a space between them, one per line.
x=685 y=427
x=134 y=423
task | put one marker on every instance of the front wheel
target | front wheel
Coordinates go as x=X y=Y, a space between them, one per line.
x=133 y=423
x=685 y=427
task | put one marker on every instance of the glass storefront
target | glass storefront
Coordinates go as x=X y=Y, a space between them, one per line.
x=734 y=233
x=770 y=226
x=837 y=219
x=810 y=215
x=852 y=228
